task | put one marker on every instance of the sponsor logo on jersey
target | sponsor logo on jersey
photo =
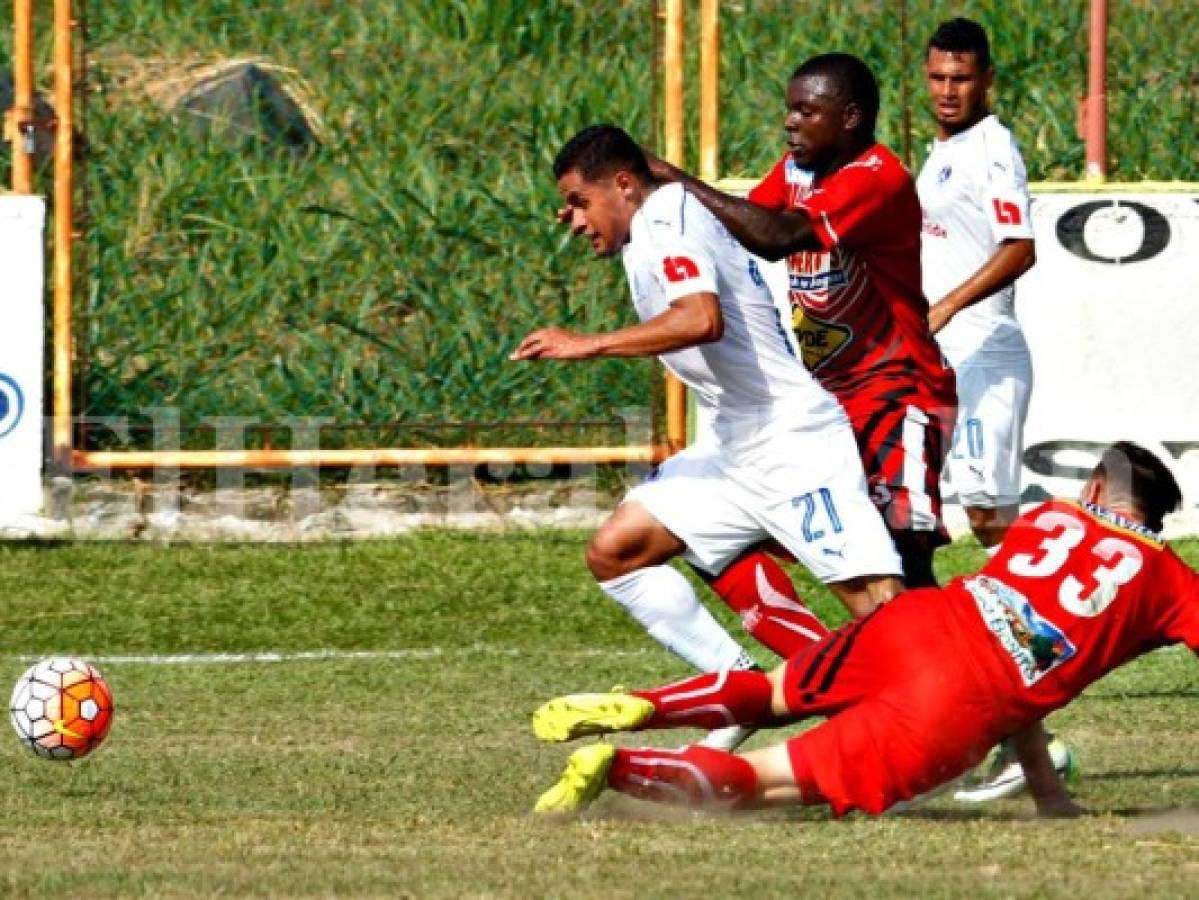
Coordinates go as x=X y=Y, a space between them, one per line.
x=818 y=341
x=929 y=227
x=820 y=281
x=812 y=275
x=1006 y=212
x=943 y=175
x=1035 y=644
x=679 y=268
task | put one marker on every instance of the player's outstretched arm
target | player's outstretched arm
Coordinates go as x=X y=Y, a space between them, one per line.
x=769 y=234
x=687 y=322
x=1044 y=783
x=1012 y=259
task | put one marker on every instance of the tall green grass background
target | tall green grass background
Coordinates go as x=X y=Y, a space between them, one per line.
x=382 y=280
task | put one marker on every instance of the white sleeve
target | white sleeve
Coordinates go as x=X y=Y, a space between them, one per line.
x=681 y=266
x=1005 y=188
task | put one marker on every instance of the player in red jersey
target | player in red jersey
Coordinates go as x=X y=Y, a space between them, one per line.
x=919 y=690
x=845 y=213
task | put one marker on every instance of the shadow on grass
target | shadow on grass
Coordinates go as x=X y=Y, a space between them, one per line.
x=1178 y=820
x=1124 y=774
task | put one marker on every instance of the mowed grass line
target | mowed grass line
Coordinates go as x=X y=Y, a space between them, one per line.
x=412 y=777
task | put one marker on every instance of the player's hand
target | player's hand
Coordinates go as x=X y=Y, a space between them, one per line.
x=939 y=315
x=565 y=216
x=1061 y=807
x=556 y=343
x=661 y=169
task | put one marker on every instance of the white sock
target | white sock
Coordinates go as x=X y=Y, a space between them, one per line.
x=662 y=600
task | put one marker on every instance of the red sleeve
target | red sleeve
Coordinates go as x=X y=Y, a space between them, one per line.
x=858 y=205
x=1183 y=624
x=771 y=191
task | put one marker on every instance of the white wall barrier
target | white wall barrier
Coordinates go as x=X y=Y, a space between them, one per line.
x=1111 y=313
x=22 y=337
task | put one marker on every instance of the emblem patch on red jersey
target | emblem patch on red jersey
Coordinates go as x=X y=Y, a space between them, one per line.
x=679 y=268
x=818 y=341
x=1035 y=644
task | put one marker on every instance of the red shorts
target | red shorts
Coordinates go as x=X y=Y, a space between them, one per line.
x=911 y=700
x=903 y=434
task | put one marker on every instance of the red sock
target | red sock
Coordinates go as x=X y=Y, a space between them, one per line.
x=757 y=589
x=711 y=700
x=690 y=776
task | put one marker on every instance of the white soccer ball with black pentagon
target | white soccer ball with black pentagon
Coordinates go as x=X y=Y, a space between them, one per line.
x=61 y=708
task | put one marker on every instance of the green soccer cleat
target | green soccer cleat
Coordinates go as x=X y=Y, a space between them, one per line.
x=585 y=777
x=577 y=715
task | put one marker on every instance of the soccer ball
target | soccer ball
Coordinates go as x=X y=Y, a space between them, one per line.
x=61 y=708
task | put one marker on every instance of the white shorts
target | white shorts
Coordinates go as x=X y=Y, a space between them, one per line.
x=984 y=465
x=805 y=489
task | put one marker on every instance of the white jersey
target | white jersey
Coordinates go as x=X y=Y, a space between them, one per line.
x=974 y=193
x=749 y=386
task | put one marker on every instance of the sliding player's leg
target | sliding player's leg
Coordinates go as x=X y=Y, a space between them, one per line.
x=841 y=677
x=694 y=775
x=822 y=679
x=712 y=700
x=690 y=776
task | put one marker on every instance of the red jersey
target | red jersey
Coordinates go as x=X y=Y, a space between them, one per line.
x=1074 y=592
x=859 y=311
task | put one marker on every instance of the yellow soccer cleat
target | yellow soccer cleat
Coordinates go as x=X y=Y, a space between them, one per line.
x=576 y=715
x=585 y=777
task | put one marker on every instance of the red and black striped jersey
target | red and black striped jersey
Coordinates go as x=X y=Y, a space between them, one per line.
x=858 y=309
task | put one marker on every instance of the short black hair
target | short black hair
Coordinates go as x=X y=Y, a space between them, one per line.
x=1130 y=469
x=599 y=151
x=854 y=80
x=962 y=36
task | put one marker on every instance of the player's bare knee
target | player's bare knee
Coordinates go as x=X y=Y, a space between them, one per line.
x=607 y=556
x=776 y=778
x=866 y=593
x=883 y=588
x=778 y=693
x=861 y=605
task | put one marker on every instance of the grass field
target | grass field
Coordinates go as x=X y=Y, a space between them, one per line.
x=409 y=770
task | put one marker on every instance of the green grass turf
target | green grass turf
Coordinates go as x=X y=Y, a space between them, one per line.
x=413 y=776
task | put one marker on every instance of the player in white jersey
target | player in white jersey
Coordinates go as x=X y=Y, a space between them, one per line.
x=977 y=240
x=777 y=460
